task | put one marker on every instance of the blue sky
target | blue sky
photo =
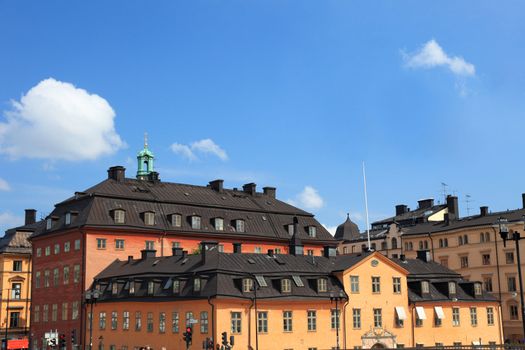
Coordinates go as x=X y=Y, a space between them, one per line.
x=291 y=94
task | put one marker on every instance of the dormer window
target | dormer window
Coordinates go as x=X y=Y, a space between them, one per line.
x=176 y=220
x=131 y=287
x=451 y=288
x=68 y=218
x=119 y=216
x=286 y=285
x=49 y=224
x=114 y=288
x=425 y=287
x=219 y=224
x=239 y=225
x=312 y=231
x=176 y=286
x=322 y=285
x=477 y=289
x=196 y=222
x=197 y=284
x=149 y=218
x=247 y=285
x=291 y=229
x=151 y=287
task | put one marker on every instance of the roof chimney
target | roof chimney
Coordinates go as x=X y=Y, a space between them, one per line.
x=424 y=255
x=425 y=203
x=270 y=191
x=483 y=211
x=523 y=200
x=329 y=252
x=453 y=208
x=296 y=246
x=176 y=251
x=270 y=252
x=237 y=248
x=401 y=209
x=153 y=176
x=148 y=253
x=30 y=216
x=249 y=188
x=117 y=173
x=208 y=250
x=130 y=259
x=217 y=185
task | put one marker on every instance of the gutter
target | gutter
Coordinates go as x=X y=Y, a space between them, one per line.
x=213 y=328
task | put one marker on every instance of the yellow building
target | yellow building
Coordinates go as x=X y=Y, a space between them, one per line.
x=288 y=302
x=15 y=281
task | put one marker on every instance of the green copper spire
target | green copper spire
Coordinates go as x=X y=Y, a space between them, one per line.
x=144 y=161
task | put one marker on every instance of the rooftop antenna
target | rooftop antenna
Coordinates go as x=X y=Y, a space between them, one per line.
x=366 y=208
x=444 y=189
x=145 y=140
x=468 y=201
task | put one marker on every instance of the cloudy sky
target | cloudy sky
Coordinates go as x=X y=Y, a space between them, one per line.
x=291 y=94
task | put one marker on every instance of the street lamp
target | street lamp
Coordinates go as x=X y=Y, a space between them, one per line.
x=91 y=298
x=516 y=237
x=337 y=299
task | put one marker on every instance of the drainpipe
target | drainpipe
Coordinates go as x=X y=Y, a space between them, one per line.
x=83 y=310
x=497 y=264
x=431 y=246
x=250 y=325
x=344 y=321
x=212 y=322
x=413 y=325
x=28 y=294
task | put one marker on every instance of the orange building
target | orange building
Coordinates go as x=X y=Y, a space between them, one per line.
x=121 y=216
x=292 y=301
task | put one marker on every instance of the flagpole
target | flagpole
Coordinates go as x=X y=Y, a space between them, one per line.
x=366 y=208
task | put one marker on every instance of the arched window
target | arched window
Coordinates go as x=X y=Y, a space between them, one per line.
x=373 y=246
x=445 y=242
x=384 y=245
x=393 y=242
x=441 y=243
x=465 y=239
x=425 y=244
x=410 y=246
x=420 y=245
x=460 y=240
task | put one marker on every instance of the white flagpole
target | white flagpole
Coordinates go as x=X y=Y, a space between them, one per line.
x=366 y=208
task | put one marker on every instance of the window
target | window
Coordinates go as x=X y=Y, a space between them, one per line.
x=310 y=252
x=114 y=288
x=465 y=239
x=66 y=275
x=196 y=284
x=45 y=311
x=49 y=224
x=334 y=318
x=131 y=287
x=485 y=258
x=376 y=284
x=247 y=285
x=287 y=321
x=490 y=316
x=36 y=313
x=150 y=245
x=509 y=257
x=312 y=231
x=487 y=284
x=354 y=284
x=47 y=251
x=204 y=322
x=400 y=317
x=77 y=244
x=477 y=289
x=291 y=229
x=176 y=220
x=17 y=265
x=102 y=320
x=511 y=284
x=55 y=276
x=451 y=287
x=473 y=316
x=114 y=320
x=236 y=322
x=321 y=285
x=464 y=261
x=460 y=240
x=239 y=225
x=162 y=322
x=437 y=319
x=119 y=244
x=74 y=310
x=46 y=278
x=57 y=249
x=345 y=250
x=64 y=311
x=149 y=218
x=176 y=286
x=356 y=318
x=286 y=285
x=384 y=245
x=14 y=319
x=101 y=243
x=378 y=318
x=425 y=287
x=37 y=279
x=76 y=273
x=443 y=262
x=257 y=250
x=277 y=250
x=219 y=224
x=262 y=322
x=393 y=243
x=151 y=287
x=38 y=252
x=373 y=246
x=513 y=311
x=16 y=291
x=396 y=282
x=149 y=322
x=455 y=317
x=119 y=216
x=311 y=317
x=196 y=222
x=175 y=322
x=420 y=245
x=67 y=247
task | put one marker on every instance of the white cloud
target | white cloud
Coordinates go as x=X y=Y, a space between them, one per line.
x=308 y=198
x=330 y=229
x=4 y=186
x=204 y=147
x=431 y=55
x=56 y=120
x=9 y=220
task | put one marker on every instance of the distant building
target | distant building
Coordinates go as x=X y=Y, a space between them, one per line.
x=296 y=301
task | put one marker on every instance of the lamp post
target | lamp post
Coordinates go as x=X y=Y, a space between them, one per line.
x=91 y=298
x=516 y=237
x=337 y=299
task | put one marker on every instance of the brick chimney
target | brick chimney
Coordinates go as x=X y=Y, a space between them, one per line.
x=270 y=191
x=249 y=188
x=217 y=185
x=425 y=203
x=117 y=173
x=401 y=209
x=30 y=216
x=483 y=211
x=453 y=208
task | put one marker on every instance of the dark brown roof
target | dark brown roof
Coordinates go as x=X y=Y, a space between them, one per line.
x=411 y=217
x=347 y=231
x=265 y=216
x=16 y=242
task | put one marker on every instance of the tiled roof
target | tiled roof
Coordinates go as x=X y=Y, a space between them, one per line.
x=412 y=216
x=16 y=242
x=265 y=216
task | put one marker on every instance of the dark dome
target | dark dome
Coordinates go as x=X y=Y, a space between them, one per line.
x=347 y=231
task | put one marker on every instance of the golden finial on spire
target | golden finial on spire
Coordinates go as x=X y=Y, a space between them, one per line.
x=145 y=140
